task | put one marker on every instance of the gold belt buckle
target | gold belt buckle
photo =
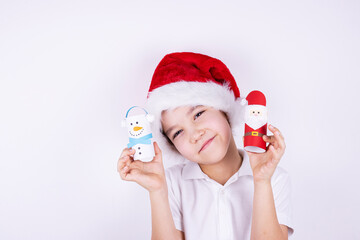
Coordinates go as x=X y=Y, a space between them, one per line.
x=254 y=133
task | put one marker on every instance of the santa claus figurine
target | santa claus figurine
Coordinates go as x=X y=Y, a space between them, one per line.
x=255 y=122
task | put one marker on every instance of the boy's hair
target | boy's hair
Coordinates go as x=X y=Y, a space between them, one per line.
x=190 y=79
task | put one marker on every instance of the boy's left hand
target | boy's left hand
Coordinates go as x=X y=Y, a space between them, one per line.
x=264 y=164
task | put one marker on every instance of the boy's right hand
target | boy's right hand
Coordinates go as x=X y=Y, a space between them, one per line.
x=150 y=175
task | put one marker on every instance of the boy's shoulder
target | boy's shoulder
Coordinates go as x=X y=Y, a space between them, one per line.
x=174 y=179
x=175 y=171
x=280 y=171
x=280 y=176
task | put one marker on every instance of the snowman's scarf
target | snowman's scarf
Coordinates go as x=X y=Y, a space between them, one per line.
x=143 y=140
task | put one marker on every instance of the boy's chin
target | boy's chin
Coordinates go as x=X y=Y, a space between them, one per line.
x=211 y=158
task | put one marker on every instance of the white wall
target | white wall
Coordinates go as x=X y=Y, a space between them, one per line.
x=69 y=70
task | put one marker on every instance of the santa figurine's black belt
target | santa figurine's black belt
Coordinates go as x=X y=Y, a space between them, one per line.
x=253 y=134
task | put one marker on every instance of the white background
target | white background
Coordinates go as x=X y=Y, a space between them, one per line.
x=69 y=70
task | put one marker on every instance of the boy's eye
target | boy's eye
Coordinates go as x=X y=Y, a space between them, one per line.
x=198 y=114
x=177 y=133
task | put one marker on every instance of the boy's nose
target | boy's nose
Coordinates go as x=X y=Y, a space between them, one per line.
x=197 y=134
x=137 y=128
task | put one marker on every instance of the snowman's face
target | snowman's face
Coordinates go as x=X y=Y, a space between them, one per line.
x=138 y=126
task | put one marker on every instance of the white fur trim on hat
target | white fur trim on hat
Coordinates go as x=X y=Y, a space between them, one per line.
x=185 y=93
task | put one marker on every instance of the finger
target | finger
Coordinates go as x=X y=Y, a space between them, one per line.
x=279 y=140
x=271 y=140
x=137 y=164
x=274 y=130
x=124 y=161
x=123 y=172
x=132 y=175
x=128 y=167
x=120 y=164
x=158 y=153
x=275 y=157
x=127 y=151
x=278 y=136
x=123 y=168
x=126 y=154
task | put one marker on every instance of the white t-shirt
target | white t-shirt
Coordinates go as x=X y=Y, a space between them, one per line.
x=204 y=209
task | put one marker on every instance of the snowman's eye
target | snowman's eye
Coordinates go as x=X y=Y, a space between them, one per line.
x=258 y=112
x=137 y=122
x=130 y=123
x=253 y=111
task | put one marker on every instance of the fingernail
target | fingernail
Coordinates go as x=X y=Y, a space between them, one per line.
x=125 y=168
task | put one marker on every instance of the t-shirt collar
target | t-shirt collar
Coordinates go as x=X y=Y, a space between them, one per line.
x=245 y=169
x=192 y=170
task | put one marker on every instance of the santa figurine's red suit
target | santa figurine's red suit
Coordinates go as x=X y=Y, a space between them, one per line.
x=255 y=122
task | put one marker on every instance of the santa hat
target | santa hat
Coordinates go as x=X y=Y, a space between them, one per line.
x=187 y=78
x=256 y=98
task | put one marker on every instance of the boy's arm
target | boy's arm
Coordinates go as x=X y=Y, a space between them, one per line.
x=151 y=176
x=163 y=226
x=265 y=224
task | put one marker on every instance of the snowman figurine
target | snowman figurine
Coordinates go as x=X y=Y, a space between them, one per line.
x=140 y=136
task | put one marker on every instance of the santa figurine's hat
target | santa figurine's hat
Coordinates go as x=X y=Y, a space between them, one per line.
x=186 y=78
x=256 y=98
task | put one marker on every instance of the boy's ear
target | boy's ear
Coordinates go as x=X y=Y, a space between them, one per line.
x=150 y=117
x=123 y=123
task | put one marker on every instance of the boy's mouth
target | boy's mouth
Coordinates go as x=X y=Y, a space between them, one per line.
x=207 y=143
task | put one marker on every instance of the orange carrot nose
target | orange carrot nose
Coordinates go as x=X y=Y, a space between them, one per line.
x=137 y=128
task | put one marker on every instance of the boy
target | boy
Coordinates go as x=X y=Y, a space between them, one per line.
x=217 y=191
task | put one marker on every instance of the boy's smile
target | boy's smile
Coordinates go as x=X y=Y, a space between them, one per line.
x=206 y=144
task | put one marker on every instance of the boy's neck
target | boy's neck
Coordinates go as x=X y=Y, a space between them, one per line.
x=222 y=171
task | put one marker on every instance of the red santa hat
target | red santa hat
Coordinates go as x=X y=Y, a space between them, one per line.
x=186 y=78
x=256 y=98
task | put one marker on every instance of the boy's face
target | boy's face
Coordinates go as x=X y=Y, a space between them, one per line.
x=201 y=134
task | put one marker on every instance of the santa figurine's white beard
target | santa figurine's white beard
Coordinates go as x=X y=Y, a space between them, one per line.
x=255 y=122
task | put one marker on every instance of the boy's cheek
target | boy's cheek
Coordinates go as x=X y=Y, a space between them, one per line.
x=183 y=149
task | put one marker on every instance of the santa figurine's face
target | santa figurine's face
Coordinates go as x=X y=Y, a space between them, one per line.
x=256 y=112
x=138 y=126
x=255 y=116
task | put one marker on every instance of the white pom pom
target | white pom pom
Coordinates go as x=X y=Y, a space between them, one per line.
x=243 y=102
x=150 y=117
x=123 y=123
